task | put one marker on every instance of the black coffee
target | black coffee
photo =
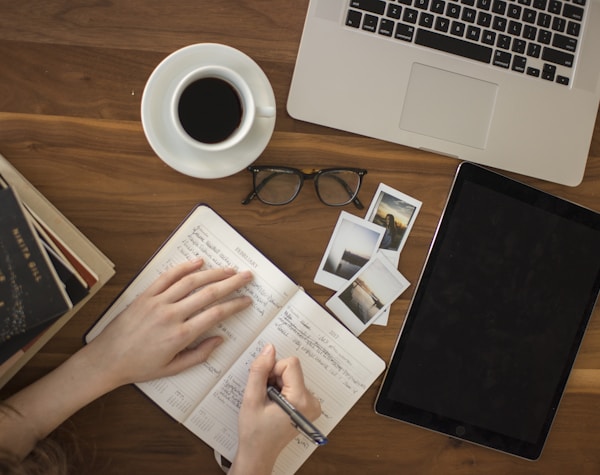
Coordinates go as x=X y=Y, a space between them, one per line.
x=210 y=110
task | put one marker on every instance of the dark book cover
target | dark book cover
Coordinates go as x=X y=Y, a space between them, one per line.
x=76 y=288
x=30 y=291
x=22 y=341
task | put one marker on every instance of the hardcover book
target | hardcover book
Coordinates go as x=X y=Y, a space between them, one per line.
x=79 y=264
x=31 y=292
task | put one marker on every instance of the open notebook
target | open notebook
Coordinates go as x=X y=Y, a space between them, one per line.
x=338 y=368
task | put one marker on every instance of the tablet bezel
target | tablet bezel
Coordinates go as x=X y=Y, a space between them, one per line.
x=428 y=419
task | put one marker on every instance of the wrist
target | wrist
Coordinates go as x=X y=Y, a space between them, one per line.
x=91 y=367
x=250 y=460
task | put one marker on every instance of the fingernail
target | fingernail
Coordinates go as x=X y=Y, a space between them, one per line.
x=267 y=350
x=246 y=274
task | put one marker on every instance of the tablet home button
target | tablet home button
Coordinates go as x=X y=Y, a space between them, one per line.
x=460 y=431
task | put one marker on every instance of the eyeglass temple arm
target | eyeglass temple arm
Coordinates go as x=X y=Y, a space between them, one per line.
x=249 y=198
x=358 y=203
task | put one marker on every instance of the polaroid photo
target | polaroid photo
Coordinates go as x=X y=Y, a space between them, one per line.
x=353 y=243
x=396 y=213
x=367 y=295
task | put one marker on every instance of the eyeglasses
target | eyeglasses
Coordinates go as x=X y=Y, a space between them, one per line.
x=280 y=185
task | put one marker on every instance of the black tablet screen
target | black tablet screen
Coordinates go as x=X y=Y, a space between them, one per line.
x=498 y=315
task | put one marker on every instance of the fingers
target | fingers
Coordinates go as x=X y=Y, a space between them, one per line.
x=173 y=275
x=256 y=387
x=181 y=280
x=188 y=358
x=189 y=298
x=212 y=286
x=288 y=373
x=191 y=289
x=198 y=324
x=194 y=281
x=290 y=378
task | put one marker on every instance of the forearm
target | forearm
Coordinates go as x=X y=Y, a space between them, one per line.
x=37 y=410
x=151 y=339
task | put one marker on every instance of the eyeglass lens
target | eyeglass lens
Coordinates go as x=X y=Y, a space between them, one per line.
x=277 y=186
x=337 y=187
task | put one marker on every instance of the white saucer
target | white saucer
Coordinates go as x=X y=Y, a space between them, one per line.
x=160 y=130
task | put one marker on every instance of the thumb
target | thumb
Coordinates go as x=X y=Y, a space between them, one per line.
x=256 y=388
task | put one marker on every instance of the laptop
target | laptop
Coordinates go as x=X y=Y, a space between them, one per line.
x=510 y=84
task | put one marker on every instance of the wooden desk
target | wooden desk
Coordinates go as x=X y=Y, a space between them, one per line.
x=71 y=81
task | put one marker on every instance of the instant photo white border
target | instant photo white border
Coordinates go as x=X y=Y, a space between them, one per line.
x=381 y=274
x=329 y=279
x=393 y=254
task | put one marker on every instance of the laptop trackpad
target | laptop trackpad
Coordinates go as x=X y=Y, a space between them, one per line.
x=448 y=106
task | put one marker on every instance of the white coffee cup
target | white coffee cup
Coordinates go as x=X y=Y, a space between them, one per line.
x=183 y=144
x=214 y=109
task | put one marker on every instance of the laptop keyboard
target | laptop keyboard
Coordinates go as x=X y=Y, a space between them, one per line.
x=538 y=38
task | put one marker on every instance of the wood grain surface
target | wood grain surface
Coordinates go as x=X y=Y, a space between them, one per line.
x=71 y=80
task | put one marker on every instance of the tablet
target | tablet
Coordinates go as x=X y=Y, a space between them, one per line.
x=499 y=312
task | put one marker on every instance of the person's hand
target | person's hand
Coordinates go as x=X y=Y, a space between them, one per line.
x=152 y=337
x=264 y=429
x=148 y=340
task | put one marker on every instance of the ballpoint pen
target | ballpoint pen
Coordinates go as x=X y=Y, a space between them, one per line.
x=298 y=420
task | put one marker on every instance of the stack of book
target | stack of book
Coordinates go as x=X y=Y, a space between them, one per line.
x=48 y=270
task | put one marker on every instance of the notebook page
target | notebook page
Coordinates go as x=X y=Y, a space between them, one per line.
x=205 y=234
x=338 y=368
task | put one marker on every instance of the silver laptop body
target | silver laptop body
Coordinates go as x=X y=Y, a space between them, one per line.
x=380 y=68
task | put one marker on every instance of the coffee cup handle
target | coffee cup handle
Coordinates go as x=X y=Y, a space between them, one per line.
x=265 y=111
